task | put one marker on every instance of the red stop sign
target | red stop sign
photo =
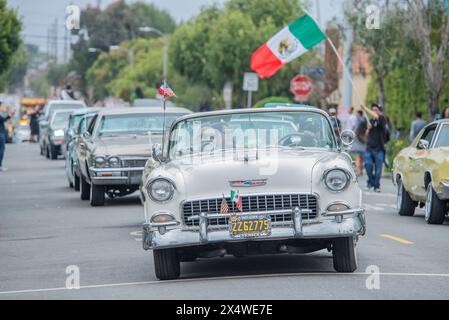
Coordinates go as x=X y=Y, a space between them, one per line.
x=301 y=87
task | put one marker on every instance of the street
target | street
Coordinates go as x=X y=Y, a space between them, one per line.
x=45 y=227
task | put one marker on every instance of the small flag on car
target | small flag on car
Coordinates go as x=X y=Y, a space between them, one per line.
x=166 y=91
x=224 y=208
x=235 y=198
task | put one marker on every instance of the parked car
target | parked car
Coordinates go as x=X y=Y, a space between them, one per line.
x=254 y=181
x=22 y=133
x=78 y=122
x=113 y=151
x=54 y=137
x=51 y=107
x=421 y=173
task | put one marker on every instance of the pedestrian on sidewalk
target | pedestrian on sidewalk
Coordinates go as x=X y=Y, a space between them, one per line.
x=417 y=126
x=359 y=147
x=375 y=147
x=3 y=119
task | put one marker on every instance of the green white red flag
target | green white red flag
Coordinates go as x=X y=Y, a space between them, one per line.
x=290 y=43
x=237 y=199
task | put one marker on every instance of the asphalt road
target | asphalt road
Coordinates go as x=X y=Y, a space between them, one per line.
x=45 y=227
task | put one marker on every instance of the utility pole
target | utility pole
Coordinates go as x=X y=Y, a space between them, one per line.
x=56 y=40
x=347 y=55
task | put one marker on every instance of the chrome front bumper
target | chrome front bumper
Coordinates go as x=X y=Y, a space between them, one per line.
x=444 y=194
x=116 y=176
x=332 y=225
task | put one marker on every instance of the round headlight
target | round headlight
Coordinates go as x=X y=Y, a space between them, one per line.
x=114 y=162
x=160 y=190
x=100 y=161
x=336 y=180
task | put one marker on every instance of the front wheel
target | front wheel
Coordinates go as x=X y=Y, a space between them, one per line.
x=167 y=264
x=344 y=254
x=97 y=195
x=406 y=206
x=53 y=153
x=85 y=189
x=435 y=208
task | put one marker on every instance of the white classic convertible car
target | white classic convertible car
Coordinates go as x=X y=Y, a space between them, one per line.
x=255 y=181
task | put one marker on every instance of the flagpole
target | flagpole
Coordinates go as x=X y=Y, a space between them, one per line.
x=340 y=59
x=163 y=128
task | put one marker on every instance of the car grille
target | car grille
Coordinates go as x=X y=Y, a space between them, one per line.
x=250 y=204
x=134 y=163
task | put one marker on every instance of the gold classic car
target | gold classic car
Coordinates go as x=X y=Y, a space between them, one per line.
x=421 y=173
x=112 y=153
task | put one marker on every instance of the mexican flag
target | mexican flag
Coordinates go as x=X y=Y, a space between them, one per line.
x=235 y=198
x=290 y=43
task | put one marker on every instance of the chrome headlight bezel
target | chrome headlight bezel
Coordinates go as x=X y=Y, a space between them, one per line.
x=114 y=162
x=343 y=173
x=170 y=188
x=99 y=161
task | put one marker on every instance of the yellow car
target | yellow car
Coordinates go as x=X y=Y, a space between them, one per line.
x=421 y=173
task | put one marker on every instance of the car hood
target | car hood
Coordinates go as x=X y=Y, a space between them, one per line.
x=285 y=171
x=126 y=146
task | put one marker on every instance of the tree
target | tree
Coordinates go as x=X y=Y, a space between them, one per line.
x=119 y=22
x=429 y=22
x=217 y=45
x=382 y=44
x=10 y=27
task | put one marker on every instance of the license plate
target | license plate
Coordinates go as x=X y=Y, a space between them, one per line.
x=249 y=226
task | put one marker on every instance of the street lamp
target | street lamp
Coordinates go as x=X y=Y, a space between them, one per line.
x=165 y=37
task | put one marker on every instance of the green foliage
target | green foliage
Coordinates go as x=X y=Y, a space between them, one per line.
x=10 y=27
x=56 y=75
x=217 y=45
x=14 y=76
x=119 y=22
x=394 y=147
x=263 y=102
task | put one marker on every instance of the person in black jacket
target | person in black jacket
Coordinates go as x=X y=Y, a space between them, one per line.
x=375 y=147
x=3 y=119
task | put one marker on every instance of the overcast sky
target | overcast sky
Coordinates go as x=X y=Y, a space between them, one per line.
x=38 y=15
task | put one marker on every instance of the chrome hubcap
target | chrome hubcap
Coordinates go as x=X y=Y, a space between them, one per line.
x=428 y=201
x=399 y=199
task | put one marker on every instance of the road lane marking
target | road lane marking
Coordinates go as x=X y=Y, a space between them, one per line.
x=157 y=282
x=400 y=240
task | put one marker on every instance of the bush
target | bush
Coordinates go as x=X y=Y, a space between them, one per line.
x=393 y=148
x=263 y=102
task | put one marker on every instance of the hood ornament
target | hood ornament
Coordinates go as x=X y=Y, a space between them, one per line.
x=248 y=183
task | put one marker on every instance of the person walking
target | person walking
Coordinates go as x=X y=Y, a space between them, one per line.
x=359 y=147
x=417 y=126
x=34 y=124
x=375 y=147
x=336 y=123
x=3 y=119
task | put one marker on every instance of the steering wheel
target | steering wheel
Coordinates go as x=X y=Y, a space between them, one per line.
x=298 y=140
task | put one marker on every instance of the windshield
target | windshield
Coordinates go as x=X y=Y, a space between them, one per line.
x=443 y=137
x=66 y=106
x=60 y=119
x=298 y=129
x=75 y=121
x=134 y=124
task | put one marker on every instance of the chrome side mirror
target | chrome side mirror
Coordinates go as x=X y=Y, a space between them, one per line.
x=423 y=145
x=347 y=138
x=157 y=152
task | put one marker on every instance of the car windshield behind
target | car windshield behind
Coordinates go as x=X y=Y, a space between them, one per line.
x=64 y=106
x=443 y=137
x=134 y=124
x=60 y=119
x=255 y=130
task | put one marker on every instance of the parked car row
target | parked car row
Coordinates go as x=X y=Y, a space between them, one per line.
x=239 y=182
